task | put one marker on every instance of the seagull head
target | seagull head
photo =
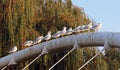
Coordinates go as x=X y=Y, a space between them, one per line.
x=78 y=27
x=100 y=25
x=49 y=32
x=90 y=26
x=31 y=42
x=15 y=47
x=64 y=28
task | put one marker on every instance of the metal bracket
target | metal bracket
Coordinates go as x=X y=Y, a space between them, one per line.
x=44 y=50
x=106 y=45
x=12 y=61
x=76 y=45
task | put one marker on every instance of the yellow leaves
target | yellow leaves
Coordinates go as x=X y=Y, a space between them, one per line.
x=68 y=19
x=27 y=19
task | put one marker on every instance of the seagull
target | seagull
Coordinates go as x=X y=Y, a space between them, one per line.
x=14 y=49
x=63 y=31
x=77 y=29
x=28 y=43
x=48 y=36
x=69 y=31
x=87 y=27
x=56 y=35
x=97 y=27
x=90 y=25
x=38 y=40
x=83 y=26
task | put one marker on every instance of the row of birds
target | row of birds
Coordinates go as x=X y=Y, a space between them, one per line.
x=58 y=34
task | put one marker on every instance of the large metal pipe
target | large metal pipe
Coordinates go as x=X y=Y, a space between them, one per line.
x=66 y=42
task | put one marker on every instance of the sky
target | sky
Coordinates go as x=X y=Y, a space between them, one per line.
x=106 y=12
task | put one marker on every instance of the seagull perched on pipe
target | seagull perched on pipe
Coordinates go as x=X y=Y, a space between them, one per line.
x=56 y=35
x=48 y=36
x=14 y=49
x=87 y=27
x=77 y=29
x=63 y=31
x=97 y=27
x=90 y=25
x=69 y=31
x=83 y=27
x=28 y=43
x=38 y=40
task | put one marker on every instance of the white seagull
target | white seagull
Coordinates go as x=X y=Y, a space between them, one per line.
x=56 y=35
x=77 y=29
x=48 y=36
x=83 y=28
x=87 y=27
x=97 y=27
x=38 y=40
x=69 y=31
x=28 y=43
x=14 y=49
x=63 y=31
x=90 y=25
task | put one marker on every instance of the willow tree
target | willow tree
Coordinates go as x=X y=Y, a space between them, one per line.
x=112 y=58
x=26 y=19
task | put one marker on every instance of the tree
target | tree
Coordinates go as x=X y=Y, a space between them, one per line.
x=22 y=20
